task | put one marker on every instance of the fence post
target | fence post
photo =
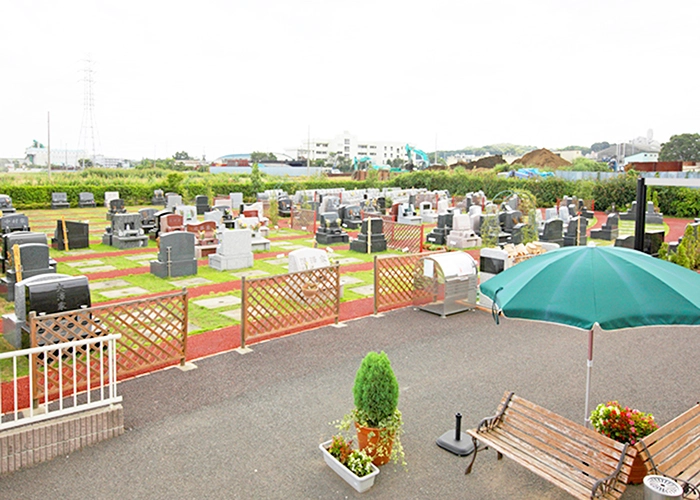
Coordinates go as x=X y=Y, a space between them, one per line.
x=337 y=293
x=244 y=304
x=186 y=322
x=314 y=231
x=33 y=360
x=422 y=234
x=376 y=286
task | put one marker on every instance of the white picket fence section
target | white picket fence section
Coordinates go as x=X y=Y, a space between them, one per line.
x=103 y=393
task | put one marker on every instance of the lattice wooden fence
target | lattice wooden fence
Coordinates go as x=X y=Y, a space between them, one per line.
x=154 y=333
x=407 y=237
x=394 y=277
x=303 y=219
x=288 y=301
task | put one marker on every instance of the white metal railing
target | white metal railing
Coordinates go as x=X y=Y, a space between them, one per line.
x=101 y=393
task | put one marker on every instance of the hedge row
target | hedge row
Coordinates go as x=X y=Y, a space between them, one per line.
x=136 y=187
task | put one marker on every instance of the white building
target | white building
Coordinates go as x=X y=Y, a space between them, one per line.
x=349 y=146
x=39 y=156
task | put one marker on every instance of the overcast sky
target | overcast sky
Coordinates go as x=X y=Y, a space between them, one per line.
x=235 y=76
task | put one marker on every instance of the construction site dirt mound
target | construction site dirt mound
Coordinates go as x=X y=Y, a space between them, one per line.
x=481 y=163
x=541 y=158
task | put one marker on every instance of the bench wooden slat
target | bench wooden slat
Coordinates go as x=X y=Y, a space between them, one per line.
x=568 y=455
x=674 y=448
x=589 y=465
x=524 y=459
x=603 y=455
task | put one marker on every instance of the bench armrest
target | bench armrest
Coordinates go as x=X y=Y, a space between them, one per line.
x=606 y=485
x=489 y=423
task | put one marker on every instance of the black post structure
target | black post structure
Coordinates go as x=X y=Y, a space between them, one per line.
x=640 y=215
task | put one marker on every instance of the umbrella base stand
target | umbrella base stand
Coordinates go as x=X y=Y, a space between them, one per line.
x=462 y=447
x=457 y=442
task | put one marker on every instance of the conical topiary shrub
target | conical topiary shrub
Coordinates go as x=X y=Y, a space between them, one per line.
x=376 y=389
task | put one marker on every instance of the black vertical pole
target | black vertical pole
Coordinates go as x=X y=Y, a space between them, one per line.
x=639 y=216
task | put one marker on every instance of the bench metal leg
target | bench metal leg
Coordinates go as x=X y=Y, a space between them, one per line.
x=476 y=448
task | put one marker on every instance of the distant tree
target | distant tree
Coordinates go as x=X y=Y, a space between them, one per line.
x=256 y=179
x=587 y=165
x=683 y=147
x=396 y=162
x=599 y=146
x=319 y=162
x=181 y=155
x=258 y=156
x=85 y=162
x=583 y=149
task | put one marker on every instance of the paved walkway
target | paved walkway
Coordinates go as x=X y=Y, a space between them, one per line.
x=248 y=426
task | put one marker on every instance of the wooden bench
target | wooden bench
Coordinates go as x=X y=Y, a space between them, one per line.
x=579 y=460
x=673 y=450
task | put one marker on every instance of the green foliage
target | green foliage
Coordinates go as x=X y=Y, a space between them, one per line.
x=688 y=253
x=599 y=146
x=376 y=389
x=181 y=155
x=587 y=165
x=256 y=182
x=620 y=191
x=259 y=157
x=273 y=213
x=682 y=147
x=622 y=424
x=493 y=149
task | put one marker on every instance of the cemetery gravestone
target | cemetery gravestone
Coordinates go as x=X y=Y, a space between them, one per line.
x=148 y=219
x=235 y=250
x=304 y=259
x=175 y=256
x=609 y=231
x=371 y=237
x=116 y=206
x=576 y=232
x=14 y=222
x=125 y=232
x=34 y=260
x=158 y=198
x=6 y=204
x=329 y=230
x=173 y=201
x=86 y=200
x=109 y=196
x=553 y=231
x=201 y=202
x=78 y=235
x=18 y=238
x=59 y=200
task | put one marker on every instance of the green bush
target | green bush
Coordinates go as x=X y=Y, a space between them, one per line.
x=376 y=389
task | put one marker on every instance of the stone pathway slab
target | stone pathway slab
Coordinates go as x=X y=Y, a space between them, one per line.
x=216 y=302
x=350 y=280
x=347 y=260
x=85 y=263
x=191 y=282
x=96 y=269
x=235 y=314
x=124 y=292
x=104 y=285
x=364 y=290
x=143 y=256
x=250 y=274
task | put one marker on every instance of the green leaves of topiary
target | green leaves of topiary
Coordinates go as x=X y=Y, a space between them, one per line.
x=376 y=389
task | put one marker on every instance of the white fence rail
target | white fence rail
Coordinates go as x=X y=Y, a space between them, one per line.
x=102 y=392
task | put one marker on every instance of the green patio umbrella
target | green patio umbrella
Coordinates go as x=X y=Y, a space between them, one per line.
x=615 y=288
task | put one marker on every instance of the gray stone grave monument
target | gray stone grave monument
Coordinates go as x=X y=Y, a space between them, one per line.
x=576 y=232
x=371 y=237
x=553 y=231
x=19 y=238
x=125 y=232
x=34 y=260
x=173 y=201
x=609 y=231
x=59 y=201
x=175 y=255
x=303 y=259
x=14 y=222
x=235 y=250
x=86 y=200
x=109 y=196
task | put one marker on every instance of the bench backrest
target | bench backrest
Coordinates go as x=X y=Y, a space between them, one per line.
x=674 y=448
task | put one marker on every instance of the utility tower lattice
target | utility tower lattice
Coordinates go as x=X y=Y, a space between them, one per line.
x=88 y=129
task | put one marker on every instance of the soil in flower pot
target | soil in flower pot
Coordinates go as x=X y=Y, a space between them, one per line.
x=368 y=444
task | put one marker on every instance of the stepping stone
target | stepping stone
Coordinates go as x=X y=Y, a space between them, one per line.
x=124 y=292
x=234 y=315
x=295 y=247
x=144 y=263
x=282 y=244
x=350 y=280
x=103 y=285
x=192 y=327
x=250 y=274
x=143 y=256
x=85 y=263
x=364 y=290
x=216 y=302
x=82 y=251
x=191 y=282
x=348 y=260
x=96 y=269
x=278 y=262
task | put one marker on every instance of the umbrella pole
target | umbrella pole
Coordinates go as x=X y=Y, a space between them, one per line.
x=589 y=367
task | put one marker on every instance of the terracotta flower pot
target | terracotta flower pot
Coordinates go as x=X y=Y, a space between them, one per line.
x=369 y=444
x=638 y=471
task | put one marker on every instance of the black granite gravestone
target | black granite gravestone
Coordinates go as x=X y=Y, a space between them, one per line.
x=116 y=206
x=202 y=203
x=78 y=235
x=553 y=232
x=371 y=235
x=329 y=230
x=18 y=238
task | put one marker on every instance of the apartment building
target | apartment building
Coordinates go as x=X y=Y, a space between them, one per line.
x=350 y=146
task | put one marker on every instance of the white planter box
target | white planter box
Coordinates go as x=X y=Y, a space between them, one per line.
x=361 y=484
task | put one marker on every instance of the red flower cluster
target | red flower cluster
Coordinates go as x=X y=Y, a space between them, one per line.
x=622 y=424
